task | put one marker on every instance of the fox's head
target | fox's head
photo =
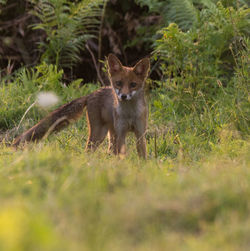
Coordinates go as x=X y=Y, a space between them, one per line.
x=127 y=81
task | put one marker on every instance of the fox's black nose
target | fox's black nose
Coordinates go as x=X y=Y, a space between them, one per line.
x=123 y=96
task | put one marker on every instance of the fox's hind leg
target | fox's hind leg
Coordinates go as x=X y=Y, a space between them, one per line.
x=97 y=132
x=112 y=141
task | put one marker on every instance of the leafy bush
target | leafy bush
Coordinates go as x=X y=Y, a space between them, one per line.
x=204 y=88
x=185 y=13
x=202 y=55
x=68 y=26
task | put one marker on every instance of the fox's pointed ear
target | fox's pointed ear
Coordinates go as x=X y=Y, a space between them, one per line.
x=142 y=67
x=114 y=64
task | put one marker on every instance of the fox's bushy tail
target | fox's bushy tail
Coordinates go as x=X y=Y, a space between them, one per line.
x=55 y=121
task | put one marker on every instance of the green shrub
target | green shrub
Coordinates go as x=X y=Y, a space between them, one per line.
x=204 y=87
x=186 y=13
x=68 y=25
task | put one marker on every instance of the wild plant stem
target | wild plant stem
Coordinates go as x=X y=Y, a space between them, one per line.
x=25 y=115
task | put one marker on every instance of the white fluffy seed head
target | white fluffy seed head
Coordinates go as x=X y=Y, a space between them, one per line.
x=46 y=99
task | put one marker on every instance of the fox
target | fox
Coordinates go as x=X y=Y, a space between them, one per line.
x=113 y=110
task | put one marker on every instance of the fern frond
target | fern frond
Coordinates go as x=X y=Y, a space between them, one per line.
x=68 y=26
x=182 y=12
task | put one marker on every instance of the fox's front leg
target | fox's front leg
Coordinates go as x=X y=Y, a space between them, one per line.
x=120 y=144
x=141 y=145
x=119 y=135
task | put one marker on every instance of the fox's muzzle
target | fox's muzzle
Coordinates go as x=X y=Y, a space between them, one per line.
x=124 y=97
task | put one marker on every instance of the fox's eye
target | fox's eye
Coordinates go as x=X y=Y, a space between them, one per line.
x=118 y=83
x=132 y=84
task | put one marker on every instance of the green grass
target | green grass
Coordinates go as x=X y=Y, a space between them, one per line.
x=56 y=198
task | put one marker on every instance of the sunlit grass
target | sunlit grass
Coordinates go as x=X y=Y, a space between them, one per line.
x=56 y=198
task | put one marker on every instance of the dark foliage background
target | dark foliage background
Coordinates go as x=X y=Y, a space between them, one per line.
x=20 y=42
x=126 y=28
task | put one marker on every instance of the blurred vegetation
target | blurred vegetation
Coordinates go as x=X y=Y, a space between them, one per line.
x=193 y=191
x=68 y=26
x=56 y=197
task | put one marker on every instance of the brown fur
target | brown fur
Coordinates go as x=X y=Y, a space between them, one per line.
x=115 y=110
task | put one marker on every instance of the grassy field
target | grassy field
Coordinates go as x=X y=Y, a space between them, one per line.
x=191 y=194
x=56 y=197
